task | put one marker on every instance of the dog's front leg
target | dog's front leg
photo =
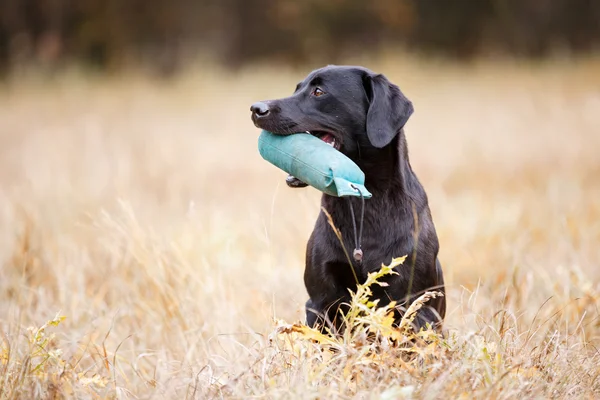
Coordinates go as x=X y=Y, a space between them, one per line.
x=327 y=318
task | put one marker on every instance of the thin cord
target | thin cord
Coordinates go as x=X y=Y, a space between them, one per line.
x=362 y=217
x=358 y=253
x=353 y=223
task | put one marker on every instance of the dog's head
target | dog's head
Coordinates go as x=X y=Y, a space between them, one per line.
x=348 y=107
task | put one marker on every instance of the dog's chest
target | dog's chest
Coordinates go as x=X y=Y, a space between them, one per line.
x=386 y=233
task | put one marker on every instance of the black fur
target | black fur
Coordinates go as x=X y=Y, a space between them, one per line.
x=366 y=114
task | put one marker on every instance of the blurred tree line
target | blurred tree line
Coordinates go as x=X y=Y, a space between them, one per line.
x=165 y=33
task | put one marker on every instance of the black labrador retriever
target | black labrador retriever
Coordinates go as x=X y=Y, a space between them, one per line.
x=362 y=114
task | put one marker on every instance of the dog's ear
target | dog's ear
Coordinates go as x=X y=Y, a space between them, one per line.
x=388 y=109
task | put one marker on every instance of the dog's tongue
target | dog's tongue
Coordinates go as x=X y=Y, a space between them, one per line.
x=327 y=138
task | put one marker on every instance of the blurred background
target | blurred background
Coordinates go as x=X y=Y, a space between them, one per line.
x=134 y=201
x=507 y=99
x=504 y=137
x=164 y=35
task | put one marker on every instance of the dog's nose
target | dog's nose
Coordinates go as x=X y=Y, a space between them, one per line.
x=260 y=109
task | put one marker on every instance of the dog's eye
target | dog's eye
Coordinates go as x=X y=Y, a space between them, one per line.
x=317 y=92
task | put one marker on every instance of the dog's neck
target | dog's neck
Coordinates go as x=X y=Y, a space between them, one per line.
x=391 y=181
x=386 y=169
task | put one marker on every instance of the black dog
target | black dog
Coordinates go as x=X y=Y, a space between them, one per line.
x=362 y=115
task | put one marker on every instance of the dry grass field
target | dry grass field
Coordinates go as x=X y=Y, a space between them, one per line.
x=147 y=251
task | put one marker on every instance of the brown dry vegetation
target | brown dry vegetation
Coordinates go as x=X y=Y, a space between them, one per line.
x=142 y=213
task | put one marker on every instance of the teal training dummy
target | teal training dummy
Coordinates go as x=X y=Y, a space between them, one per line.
x=314 y=162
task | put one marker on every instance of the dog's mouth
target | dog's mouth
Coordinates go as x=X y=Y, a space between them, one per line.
x=327 y=137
